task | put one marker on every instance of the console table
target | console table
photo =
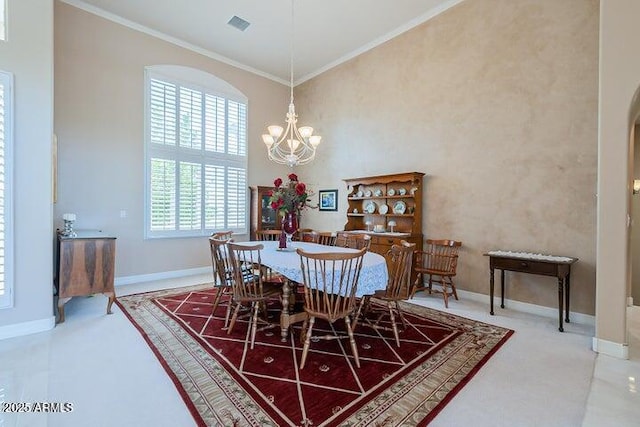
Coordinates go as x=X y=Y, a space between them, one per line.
x=525 y=262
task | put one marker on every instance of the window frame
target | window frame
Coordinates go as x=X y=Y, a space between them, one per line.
x=4 y=18
x=7 y=81
x=205 y=83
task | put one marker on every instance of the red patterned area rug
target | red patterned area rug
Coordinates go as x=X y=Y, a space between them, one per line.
x=224 y=382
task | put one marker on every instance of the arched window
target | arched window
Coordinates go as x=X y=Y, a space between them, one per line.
x=196 y=153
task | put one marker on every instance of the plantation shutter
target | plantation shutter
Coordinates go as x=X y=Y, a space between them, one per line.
x=6 y=248
x=196 y=160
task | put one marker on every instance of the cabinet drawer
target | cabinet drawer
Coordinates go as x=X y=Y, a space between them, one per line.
x=385 y=241
x=525 y=266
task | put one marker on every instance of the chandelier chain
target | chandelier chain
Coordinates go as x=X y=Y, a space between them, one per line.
x=291 y=146
x=291 y=52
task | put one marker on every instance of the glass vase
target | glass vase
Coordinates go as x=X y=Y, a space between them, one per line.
x=289 y=226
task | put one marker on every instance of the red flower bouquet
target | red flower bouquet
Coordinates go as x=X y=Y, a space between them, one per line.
x=289 y=197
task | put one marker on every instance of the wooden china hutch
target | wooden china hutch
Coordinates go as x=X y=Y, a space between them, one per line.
x=378 y=204
x=263 y=217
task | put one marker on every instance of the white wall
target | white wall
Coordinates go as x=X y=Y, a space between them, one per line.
x=28 y=54
x=99 y=121
x=619 y=82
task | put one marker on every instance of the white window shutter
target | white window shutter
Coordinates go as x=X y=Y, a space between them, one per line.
x=196 y=150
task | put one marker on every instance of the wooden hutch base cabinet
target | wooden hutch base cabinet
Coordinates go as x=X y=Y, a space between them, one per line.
x=85 y=267
x=380 y=201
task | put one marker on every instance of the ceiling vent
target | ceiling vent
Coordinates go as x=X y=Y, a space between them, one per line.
x=238 y=23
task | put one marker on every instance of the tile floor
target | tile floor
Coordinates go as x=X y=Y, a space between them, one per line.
x=100 y=364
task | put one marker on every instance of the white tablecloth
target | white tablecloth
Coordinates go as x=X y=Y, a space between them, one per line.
x=373 y=275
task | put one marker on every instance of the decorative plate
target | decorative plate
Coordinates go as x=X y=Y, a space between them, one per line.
x=402 y=191
x=413 y=190
x=367 y=193
x=370 y=207
x=399 y=207
x=391 y=192
x=379 y=193
x=359 y=193
x=383 y=209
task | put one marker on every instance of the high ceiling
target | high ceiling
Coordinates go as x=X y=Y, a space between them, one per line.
x=326 y=32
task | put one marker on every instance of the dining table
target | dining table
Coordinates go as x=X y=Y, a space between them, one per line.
x=373 y=275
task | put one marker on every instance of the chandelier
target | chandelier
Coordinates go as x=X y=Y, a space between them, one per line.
x=291 y=146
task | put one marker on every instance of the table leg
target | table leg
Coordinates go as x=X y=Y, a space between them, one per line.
x=501 y=288
x=560 y=302
x=491 y=290
x=567 y=291
x=284 y=316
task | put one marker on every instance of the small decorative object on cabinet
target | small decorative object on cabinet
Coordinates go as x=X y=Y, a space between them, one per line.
x=263 y=216
x=85 y=266
x=403 y=215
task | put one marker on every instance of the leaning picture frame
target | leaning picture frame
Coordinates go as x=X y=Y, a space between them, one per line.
x=328 y=200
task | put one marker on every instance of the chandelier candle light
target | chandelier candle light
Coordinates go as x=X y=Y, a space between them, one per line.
x=291 y=146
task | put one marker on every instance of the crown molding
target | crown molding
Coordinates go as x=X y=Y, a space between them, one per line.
x=383 y=39
x=170 y=39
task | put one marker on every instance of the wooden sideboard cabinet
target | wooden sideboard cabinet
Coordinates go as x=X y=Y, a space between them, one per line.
x=376 y=201
x=263 y=217
x=85 y=266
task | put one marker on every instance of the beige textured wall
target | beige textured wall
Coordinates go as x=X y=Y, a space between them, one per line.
x=28 y=54
x=496 y=101
x=99 y=110
x=619 y=104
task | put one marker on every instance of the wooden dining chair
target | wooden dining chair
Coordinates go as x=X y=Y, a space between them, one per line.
x=298 y=235
x=222 y=235
x=353 y=241
x=327 y=238
x=251 y=291
x=309 y=236
x=438 y=261
x=330 y=283
x=268 y=235
x=398 y=289
x=222 y=272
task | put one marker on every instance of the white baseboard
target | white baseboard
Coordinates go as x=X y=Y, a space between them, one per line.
x=613 y=349
x=26 y=328
x=128 y=280
x=525 y=307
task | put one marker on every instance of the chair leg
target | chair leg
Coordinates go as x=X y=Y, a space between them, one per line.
x=445 y=294
x=228 y=315
x=418 y=285
x=401 y=316
x=352 y=340
x=364 y=302
x=307 y=342
x=453 y=287
x=234 y=318
x=393 y=323
x=216 y=302
x=255 y=308
x=430 y=283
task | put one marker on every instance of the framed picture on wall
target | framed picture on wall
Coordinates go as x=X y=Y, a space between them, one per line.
x=328 y=200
